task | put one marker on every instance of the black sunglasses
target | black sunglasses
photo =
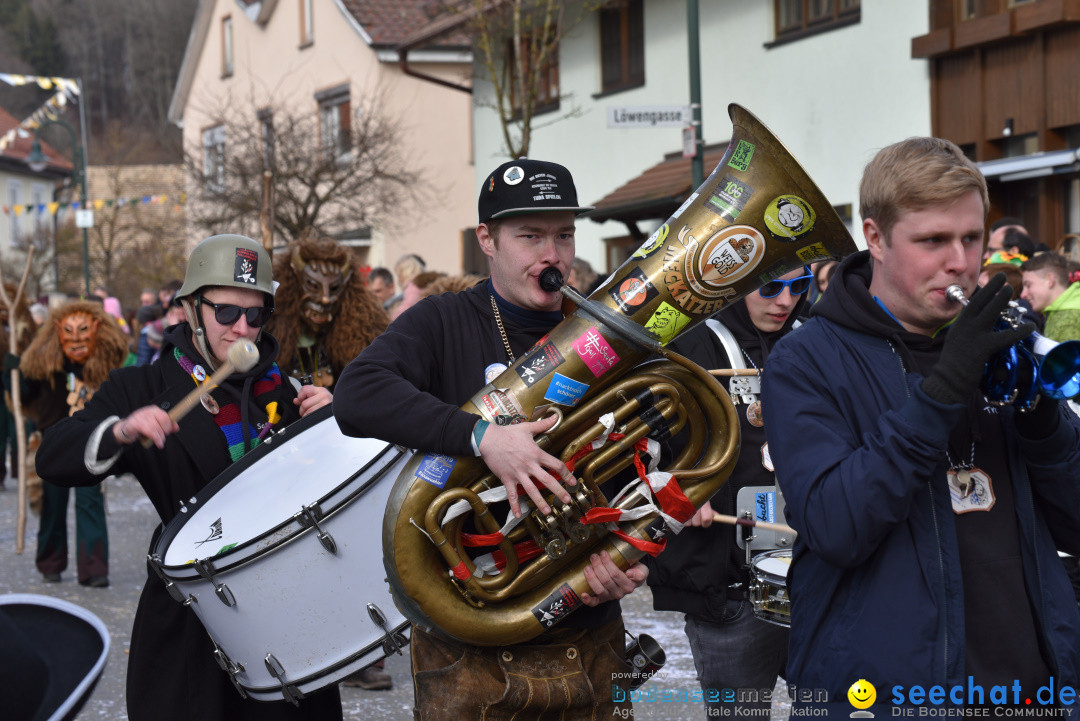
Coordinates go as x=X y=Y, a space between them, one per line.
x=797 y=286
x=227 y=314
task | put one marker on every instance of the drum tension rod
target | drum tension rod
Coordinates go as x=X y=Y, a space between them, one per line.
x=155 y=563
x=309 y=517
x=205 y=568
x=392 y=642
x=230 y=667
x=289 y=691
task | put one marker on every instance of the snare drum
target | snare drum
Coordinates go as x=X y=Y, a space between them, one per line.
x=280 y=557
x=768 y=586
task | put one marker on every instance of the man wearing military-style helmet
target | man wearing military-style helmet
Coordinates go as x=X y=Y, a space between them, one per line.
x=227 y=296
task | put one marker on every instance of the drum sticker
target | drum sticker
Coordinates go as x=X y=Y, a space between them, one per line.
x=813 y=252
x=226 y=548
x=435 y=469
x=493 y=371
x=633 y=292
x=557 y=606
x=789 y=217
x=744 y=153
x=730 y=197
x=502 y=408
x=539 y=363
x=765 y=506
x=565 y=391
x=245 y=268
x=653 y=244
x=667 y=322
x=215 y=533
x=595 y=352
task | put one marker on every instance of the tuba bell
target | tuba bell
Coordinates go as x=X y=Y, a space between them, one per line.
x=455 y=569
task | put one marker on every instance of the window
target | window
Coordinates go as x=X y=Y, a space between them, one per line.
x=214 y=158
x=799 y=18
x=622 y=46
x=335 y=127
x=307 y=23
x=546 y=91
x=39 y=196
x=226 y=47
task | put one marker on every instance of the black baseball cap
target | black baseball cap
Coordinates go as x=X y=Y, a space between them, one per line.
x=527 y=186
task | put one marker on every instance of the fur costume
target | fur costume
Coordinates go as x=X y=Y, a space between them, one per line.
x=44 y=359
x=357 y=319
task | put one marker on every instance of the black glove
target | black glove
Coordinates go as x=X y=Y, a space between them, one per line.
x=11 y=362
x=971 y=341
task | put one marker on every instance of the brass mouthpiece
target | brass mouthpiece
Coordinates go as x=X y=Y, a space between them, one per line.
x=551 y=280
x=956 y=294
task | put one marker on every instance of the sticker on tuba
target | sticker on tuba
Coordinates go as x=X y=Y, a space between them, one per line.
x=788 y=217
x=728 y=256
x=557 y=606
x=653 y=244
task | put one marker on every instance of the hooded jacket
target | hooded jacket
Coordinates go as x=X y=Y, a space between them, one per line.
x=172 y=673
x=876 y=581
x=696 y=571
x=1063 y=315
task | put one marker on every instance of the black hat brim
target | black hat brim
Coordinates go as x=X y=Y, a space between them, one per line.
x=55 y=650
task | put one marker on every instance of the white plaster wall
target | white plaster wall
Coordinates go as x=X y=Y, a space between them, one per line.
x=435 y=122
x=834 y=99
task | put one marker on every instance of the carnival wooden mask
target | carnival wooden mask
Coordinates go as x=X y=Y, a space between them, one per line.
x=323 y=283
x=78 y=335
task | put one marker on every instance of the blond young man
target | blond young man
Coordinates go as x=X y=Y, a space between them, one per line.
x=927 y=517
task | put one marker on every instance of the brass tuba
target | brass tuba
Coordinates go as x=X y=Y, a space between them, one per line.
x=757 y=217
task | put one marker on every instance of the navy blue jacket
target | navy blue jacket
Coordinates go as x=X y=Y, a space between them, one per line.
x=876 y=582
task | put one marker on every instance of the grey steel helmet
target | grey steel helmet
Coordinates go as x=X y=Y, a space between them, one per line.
x=228 y=260
x=231 y=261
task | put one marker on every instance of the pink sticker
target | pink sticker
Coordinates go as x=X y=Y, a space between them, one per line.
x=596 y=352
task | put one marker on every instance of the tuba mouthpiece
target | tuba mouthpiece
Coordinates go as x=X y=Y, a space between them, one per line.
x=956 y=294
x=551 y=280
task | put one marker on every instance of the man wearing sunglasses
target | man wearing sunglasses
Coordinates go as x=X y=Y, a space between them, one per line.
x=227 y=296
x=703 y=572
x=928 y=519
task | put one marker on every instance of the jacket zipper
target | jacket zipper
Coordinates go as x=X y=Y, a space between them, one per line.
x=937 y=528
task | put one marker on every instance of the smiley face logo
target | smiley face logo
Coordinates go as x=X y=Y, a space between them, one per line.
x=862 y=694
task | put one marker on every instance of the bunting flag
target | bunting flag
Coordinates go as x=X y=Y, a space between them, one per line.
x=67 y=90
x=53 y=208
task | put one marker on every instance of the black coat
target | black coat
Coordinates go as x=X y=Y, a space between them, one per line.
x=695 y=572
x=171 y=672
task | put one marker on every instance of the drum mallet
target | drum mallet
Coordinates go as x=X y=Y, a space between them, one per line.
x=241 y=357
x=731 y=372
x=734 y=521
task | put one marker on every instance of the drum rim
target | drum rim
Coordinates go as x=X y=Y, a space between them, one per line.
x=207 y=492
x=322 y=673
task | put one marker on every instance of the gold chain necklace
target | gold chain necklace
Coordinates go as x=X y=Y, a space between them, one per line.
x=502 y=331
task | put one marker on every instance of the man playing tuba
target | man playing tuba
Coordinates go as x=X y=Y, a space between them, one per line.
x=408 y=386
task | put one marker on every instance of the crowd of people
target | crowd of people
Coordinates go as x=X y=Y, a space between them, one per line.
x=934 y=530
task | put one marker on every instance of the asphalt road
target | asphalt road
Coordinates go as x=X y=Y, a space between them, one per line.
x=132 y=520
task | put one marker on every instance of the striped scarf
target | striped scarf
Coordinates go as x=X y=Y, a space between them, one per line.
x=228 y=416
